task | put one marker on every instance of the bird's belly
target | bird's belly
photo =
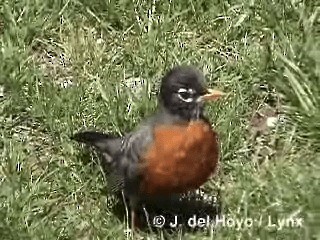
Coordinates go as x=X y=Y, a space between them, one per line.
x=182 y=158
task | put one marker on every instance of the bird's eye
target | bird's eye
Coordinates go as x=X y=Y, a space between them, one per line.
x=186 y=95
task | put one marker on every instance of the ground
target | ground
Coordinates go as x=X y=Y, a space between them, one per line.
x=64 y=66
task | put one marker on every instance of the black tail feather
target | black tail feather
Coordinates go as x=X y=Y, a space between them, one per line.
x=107 y=146
x=105 y=143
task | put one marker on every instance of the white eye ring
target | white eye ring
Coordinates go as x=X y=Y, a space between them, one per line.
x=183 y=90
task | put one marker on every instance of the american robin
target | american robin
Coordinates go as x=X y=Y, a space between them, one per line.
x=172 y=152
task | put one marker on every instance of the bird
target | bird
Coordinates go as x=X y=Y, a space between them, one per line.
x=174 y=151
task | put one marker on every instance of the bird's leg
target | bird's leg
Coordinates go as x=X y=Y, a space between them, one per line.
x=133 y=219
x=135 y=222
x=128 y=230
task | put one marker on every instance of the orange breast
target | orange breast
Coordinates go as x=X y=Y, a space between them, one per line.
x=181 y=158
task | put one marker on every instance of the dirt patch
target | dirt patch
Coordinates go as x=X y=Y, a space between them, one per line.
x=54 y=64
x=38 y=146
x=265 y=126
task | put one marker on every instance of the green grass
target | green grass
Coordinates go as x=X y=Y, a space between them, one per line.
x=46 y=190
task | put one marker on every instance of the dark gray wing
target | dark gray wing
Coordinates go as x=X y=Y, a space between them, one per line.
x=133 y=145
x=136 y=143
x=128 y=162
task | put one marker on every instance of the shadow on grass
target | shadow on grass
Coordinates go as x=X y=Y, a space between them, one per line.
x=186 y=213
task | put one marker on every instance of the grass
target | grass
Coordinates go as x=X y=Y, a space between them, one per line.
x=64 y=65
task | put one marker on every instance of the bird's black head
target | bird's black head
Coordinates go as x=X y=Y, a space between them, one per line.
x=183 y=92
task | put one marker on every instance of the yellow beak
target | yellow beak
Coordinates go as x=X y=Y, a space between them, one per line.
x=212 y=95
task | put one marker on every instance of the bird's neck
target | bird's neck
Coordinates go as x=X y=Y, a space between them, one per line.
x=183 y=115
